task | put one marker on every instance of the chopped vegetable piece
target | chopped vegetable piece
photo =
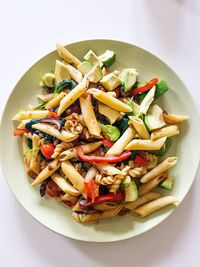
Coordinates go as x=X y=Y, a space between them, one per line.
x=118 y=197
x=131 y=192
x=48 y=80
x=111 y=132
x=53 y=115
x=161 y=152
x=20 y=132
x=39 y=106
x=145 y=88
x=47 y=150
x=167 y=183
x=111 y=159
x=92 y=190
x=140 y=160
x=122 y=125
x=52 y=189
x=107 y=143
x=108 y=58
x=161 y=89
x=69 y=84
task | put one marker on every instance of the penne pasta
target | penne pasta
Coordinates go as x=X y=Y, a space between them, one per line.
x=61 y=72
x=155 y=205
x=107 y=168
x=122 y=142
x=160 y=168
x=66 y=55
x=140 y=127
x=55 y=101
x=31 y=114
x=35 y=159
x=110 y=100
x=165 y=132
x=140 y=144
x=105 y=206
x=174 y=119
x=74 y=73
x=64 y=185
x=47 y=172
x=145 y=188
x=73 y=175
x=71 y=153
x=142 y=200
x=47 y=128
x=72 y=200
x=72 y=96
x=89 y=116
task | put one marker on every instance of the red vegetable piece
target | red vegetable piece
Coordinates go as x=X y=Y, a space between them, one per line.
x=111 y=159
x=140 y=160
x=91 y=189
x=146 y=87
x=118 y=197
x=52 y=189
x=107 y=143
x=20 y=132
x=53 y=115
x=47 y=150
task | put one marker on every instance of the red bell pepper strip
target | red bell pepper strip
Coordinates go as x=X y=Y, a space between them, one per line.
x=20 y=132
x=140 y=160
x=113 y=159
x=91 y=189
x=118 y=197
x=146 y=87
x=53 y=115
x=107 y=143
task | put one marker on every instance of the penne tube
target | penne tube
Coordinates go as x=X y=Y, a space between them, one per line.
x=90 y=175
x=72 y=96
x=64 y=185
x=110 y=100
x=47 y=128
x=142 y=200
x=140 y=127
x=174 y=119
x=72 y=200
x=139 y=144
x=66 y=55
x=35 y=159
x=107 y=168
x=160 y=168
x=155 y=205
x=61 y=72
x=55 y=101
x=122 y=142
x=74 y=73
x=31 y=114
x=47 y=171
x=165 y=132
x=71 y=153
x=73 y=175
x=89 y=116
x=145 y=188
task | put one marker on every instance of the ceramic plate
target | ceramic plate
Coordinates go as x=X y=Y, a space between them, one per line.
x=57 y=217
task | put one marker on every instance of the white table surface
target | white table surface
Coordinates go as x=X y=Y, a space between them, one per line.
x=28 y=30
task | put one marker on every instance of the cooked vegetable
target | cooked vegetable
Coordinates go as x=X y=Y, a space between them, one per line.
x=69 y=84
x=161 y=88
x=154 y=118
x=142 y=89
x=128 y=78
x=167 y=183
x=112 y=133
x=118 y=197
x=92 y=190
x=122 y=125
x=131 y=192
x=163 y=149
x=48 y=80
x=107 y=58
x=47 y=150
x=110 y=81
x=20 y=132
x=110 y=159
x=29 y=124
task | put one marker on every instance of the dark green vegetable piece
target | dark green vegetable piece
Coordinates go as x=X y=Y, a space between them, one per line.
x=161 y=89
x=163 y=149
x=29 y=124
x=29 y=143
x=122 y=125
x=43 y=187
x=69 y=84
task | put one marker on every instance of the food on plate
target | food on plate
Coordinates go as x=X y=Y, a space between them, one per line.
x=96 y=141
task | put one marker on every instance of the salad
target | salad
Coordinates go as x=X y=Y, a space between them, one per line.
x=96 y=140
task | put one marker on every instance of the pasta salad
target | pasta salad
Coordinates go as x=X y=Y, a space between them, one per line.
x=96 y=140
